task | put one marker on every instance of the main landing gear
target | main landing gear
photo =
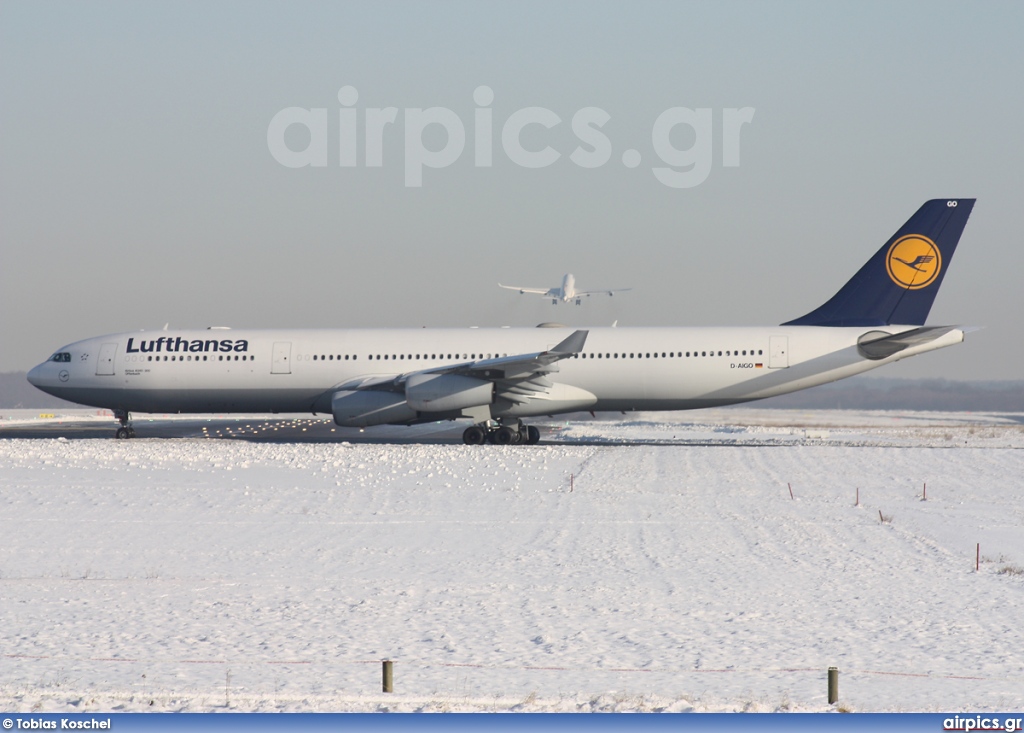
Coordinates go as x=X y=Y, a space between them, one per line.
x=501 y=434
x=126 y=430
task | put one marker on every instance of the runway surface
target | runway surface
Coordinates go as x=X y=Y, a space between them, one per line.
x=259 y=428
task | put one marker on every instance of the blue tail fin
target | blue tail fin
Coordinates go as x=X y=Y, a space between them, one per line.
x=898 y=284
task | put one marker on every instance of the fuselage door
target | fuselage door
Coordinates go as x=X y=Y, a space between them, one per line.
x=778 y=352
x=105 y=362
x=282 y=361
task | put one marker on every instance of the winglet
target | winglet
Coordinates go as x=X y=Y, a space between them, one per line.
x=571 y=345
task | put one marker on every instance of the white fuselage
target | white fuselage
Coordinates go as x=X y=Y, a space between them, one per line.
x=568 y=290
x=620 y=369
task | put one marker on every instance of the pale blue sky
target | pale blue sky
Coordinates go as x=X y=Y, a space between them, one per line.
x=137 y=188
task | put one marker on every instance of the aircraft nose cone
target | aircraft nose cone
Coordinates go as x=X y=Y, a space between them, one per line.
x=35 y=375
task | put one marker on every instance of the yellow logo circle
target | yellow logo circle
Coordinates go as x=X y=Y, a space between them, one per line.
x=913 y=262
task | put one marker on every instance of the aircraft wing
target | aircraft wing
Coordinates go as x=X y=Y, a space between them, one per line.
x=609 y=291
x=516 y=377
x=535 y=291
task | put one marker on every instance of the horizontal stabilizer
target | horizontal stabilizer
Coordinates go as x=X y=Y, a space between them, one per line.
x=876 y=345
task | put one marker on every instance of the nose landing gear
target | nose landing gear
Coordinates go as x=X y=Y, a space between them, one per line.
x=126 y=430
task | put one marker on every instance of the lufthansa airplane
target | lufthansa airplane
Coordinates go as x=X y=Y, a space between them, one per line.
x=566 y=292
x=495 y=377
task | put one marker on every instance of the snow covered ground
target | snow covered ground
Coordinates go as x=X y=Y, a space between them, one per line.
x=654 y=563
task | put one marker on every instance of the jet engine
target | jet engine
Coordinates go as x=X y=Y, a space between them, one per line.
x=360 y=409
x=447 y=392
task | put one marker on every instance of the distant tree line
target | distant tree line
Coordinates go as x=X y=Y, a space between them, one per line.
x=16 y=392
x=867 y=393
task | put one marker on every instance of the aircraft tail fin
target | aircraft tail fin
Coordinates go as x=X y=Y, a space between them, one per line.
x=898 y=284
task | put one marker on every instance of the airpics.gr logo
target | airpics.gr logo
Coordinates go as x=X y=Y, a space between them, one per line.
x=913 y=262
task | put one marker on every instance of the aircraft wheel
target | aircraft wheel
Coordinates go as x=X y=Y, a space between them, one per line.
x=506 y=435
x=474 y=435
x=533 y=435
x=123 y=433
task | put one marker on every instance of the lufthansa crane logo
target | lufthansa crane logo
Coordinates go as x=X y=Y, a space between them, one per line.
x=913 y=262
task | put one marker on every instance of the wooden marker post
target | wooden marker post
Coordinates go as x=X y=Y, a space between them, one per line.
x=388 y=676
x=833 y=685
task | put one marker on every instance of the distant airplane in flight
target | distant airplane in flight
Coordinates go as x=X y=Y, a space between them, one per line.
x=566 y=293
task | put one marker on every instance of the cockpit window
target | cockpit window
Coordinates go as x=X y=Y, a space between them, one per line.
x=62 y=356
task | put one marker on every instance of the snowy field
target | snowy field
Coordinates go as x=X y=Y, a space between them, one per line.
x=659 y=562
